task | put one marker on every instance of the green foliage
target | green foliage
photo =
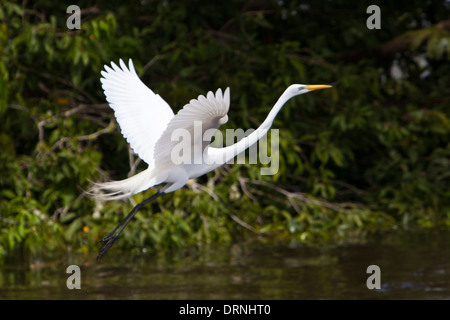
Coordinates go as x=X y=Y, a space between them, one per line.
x=371 y=153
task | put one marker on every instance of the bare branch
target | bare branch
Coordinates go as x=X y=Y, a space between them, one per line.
x=243 y=223
x=245 y=190
x=134 y=162
x=96 y=134
x=342 y=207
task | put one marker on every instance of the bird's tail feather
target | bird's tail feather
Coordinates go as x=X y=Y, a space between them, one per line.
x=114 y=190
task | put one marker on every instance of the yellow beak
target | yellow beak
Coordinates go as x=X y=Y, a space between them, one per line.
x=317 y=86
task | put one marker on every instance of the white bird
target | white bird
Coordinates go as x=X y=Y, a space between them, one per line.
x=147 y=122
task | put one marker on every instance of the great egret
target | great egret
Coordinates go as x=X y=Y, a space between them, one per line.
x=147 y=122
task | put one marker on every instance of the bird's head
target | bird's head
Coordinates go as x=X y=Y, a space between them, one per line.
x=297 y=89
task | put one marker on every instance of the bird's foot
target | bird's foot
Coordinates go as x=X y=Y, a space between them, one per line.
x=107 y=241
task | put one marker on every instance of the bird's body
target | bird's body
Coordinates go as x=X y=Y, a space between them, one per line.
x=151 y=128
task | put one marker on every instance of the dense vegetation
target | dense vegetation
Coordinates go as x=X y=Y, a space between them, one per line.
x=371 y=153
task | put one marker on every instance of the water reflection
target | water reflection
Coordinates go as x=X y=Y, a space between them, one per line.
x=413 y=266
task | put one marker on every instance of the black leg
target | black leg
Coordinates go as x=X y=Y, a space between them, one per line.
x=108 y=241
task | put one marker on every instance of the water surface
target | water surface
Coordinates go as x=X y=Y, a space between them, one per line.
x=412 y=265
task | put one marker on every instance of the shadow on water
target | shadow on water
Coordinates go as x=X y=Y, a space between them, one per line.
x=412 y=265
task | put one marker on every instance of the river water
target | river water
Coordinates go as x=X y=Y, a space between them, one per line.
x=411 y=265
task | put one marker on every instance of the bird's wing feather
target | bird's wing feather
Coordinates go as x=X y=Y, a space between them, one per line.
x=142 y=115
x=194 y=119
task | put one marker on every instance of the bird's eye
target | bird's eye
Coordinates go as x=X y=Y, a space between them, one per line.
x=300 y=88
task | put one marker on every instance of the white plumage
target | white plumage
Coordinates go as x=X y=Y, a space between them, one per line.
x=148 y=123
x=141 y=114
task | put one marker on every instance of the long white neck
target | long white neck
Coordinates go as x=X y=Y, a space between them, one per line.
x=227 y=153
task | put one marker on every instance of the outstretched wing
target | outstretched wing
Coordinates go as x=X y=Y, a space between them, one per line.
x=142 y=115
x=192 y=127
